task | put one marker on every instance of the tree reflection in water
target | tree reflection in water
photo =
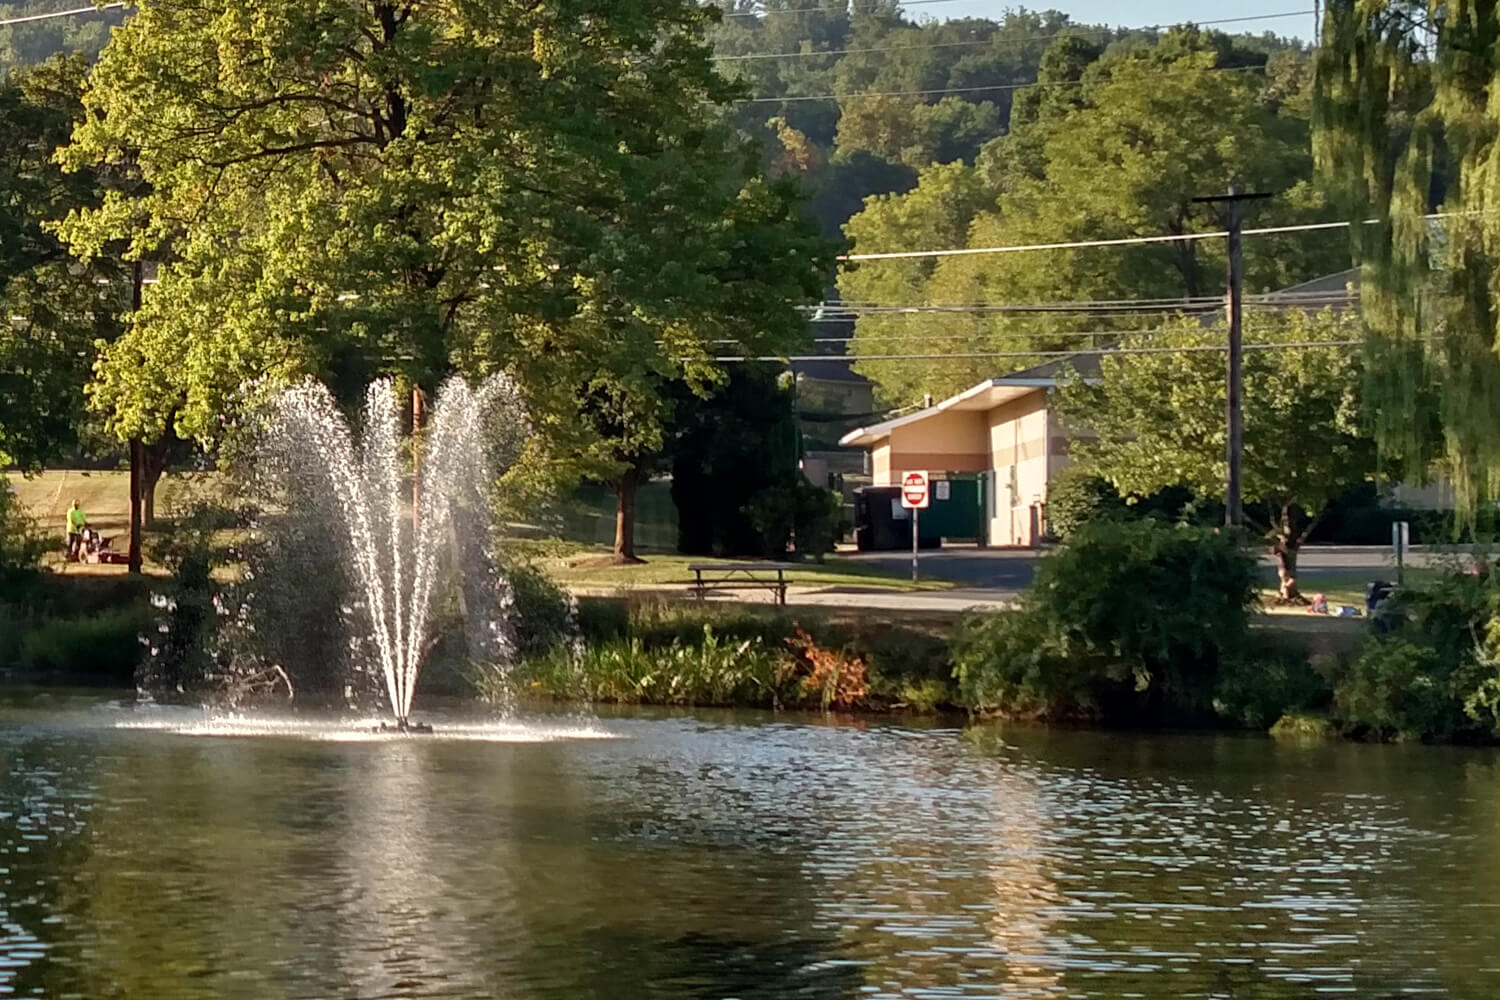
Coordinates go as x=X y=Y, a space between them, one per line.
x=705 y=861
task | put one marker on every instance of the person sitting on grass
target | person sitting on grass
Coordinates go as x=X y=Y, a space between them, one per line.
x=77 y=521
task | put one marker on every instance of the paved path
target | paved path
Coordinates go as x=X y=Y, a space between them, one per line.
x=915 y=602
x=994 y=578
x=1011 y=570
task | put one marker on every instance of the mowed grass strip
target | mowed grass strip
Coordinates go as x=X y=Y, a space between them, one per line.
x=105 y=497
x=590 y=568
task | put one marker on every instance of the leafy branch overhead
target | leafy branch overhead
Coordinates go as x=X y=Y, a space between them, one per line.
x=409 y=189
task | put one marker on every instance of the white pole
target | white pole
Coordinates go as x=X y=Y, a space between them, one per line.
x=914 y=512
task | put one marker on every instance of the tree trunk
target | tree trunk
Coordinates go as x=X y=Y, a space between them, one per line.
x=136 y=450
x=1285 y=547
x=137 y=285
x=154 y=464
x=625 y=490
x=1187 y=260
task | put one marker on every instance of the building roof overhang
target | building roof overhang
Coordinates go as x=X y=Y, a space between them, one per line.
x=985 y=396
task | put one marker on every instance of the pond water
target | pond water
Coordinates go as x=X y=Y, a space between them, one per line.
x=735 y=856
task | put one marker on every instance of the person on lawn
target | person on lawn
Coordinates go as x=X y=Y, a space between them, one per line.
x=77 y=521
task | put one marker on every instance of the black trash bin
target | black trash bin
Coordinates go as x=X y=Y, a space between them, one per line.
x=1377 y=597
x=882 y=525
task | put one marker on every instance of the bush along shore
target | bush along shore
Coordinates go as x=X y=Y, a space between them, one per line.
x=653 y=653
x=1138 y=624
x=1134 y=624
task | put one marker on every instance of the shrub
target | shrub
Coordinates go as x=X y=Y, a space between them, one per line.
x=835 y=678
x=106 y=645
x=798 y=510
x=1129 y=620
x=1012 y=662
x=1256 y=690
x=1434 y=676
x=542 y=613
x=15 y=622
x=711 y=671
x=823 y=663
x=546 y=633
x=21 y=544
x=924 y=696
x=1076 y=497
x=180 y=656
x=1304 y=726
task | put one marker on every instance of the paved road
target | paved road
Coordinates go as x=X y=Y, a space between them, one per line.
x=993 y=578
x=990 y=569
x=1010 y=570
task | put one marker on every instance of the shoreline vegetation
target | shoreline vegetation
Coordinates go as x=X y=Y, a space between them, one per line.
x=1133 y=624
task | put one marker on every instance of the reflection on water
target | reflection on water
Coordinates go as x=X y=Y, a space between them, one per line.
x=724 y=856
x=1025 y=896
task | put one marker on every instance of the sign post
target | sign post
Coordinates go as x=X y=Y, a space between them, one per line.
x=1400 y=541
x=914 y=497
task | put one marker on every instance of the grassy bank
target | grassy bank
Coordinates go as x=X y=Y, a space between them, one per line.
x=638 y=650
x=642 y=651
x=585 y=568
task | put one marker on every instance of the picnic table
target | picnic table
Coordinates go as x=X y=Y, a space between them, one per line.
x=717 y=576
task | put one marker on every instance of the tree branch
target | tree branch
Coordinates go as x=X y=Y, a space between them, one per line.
x=299 y=147
x=1312 y=523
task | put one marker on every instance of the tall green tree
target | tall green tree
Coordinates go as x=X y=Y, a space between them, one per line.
x=1405 y=142
x=31 y=43
x=1114 y=144
x=51 y=310
x=1156 y=420
x=414 y=189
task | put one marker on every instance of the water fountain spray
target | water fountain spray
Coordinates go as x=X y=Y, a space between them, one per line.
x=397 y=562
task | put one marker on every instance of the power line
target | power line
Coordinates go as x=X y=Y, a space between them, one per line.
x=1094 y=352
x=810 y=10
x=981 y=335
x=1133 y=240
x=1077 y=32
x=879 y=48
x=840 y=312
x=1084 y=244
x=976 y=335
x=60 y=13
x=975 y=90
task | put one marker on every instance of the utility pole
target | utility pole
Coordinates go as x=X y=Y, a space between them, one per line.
x=1234 y=438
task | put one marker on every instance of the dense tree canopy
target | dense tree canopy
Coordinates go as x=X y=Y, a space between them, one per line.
x=1406 y=138
x=391 y=187
x=51 y=309
x=1112 y=143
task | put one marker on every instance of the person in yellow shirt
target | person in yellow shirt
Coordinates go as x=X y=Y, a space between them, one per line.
x=77 y=521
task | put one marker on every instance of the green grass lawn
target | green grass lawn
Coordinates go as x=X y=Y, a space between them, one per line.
x=105 y=497
x=583 y=568
x=1340 y=586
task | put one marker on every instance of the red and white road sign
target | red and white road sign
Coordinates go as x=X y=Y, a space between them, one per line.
x=914 y=490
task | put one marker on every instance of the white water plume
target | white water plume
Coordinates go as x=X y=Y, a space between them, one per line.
x=397 y=564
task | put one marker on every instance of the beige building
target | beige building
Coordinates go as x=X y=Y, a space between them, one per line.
x=1002 y=429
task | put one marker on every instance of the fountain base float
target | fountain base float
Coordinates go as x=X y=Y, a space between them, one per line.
x=403 y=726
